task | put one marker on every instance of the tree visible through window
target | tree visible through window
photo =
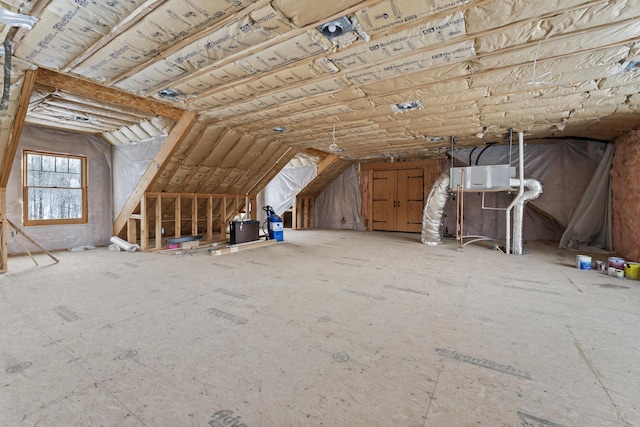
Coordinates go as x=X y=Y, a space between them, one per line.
x=55 y=188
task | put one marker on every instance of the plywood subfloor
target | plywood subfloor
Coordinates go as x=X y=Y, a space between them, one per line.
x=329 y=328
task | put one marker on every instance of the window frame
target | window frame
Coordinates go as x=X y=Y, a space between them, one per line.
x=84 y=219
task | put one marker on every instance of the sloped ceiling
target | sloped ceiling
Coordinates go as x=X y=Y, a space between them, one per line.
x=404 y=79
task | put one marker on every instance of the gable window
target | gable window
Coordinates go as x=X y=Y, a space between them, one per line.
x=54 y=188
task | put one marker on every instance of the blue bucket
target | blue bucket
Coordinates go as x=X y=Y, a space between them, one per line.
x=583 y=262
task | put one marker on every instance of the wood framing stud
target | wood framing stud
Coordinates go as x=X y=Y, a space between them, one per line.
x=18 y=124
x=177 y=134
x=3 y=231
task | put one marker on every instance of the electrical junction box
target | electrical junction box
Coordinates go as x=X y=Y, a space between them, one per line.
x=482 y=178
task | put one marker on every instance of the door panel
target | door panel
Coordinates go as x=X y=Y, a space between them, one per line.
x=410 y=196
x=384 y=191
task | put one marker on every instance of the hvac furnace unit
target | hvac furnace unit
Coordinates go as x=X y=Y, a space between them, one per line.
x=482 y=178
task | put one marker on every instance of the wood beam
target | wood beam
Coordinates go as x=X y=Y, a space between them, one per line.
x=326 y=162
x=177 y=217
x=132 y=233
x=144 y=225
x=158 y=233
x=177 y=134
x=210 y=219
x=4 y=256
x=106 y=94
x=18 y=124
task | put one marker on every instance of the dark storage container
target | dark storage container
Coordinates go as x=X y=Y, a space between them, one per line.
x=244 y=231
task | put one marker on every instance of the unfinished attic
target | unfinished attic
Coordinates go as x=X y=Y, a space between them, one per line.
x=440 y=198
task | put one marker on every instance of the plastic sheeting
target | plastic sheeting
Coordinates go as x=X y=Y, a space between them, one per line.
x=130 y=162
x=98 y=230
x=338 y=205
x=282 y=190
x=565 y=169
x=591 y=225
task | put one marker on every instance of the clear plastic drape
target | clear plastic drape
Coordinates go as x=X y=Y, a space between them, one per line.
x=339 y=204
x=282 y=190
x=130 y=162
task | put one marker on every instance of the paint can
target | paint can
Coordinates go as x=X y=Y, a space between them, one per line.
x=632 y=270
x=600 y=265
x=619 y=272
x=616 y=262
x=611 y=271
x=583 y=262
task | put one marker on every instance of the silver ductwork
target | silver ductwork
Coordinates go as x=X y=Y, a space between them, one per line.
x=534 y=189
x=434 y=209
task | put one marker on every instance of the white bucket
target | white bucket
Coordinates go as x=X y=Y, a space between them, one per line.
x=583 y=262
x=616 y=262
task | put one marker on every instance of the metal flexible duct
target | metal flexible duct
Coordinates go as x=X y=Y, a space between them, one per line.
x=434 y=209
x=534 y=189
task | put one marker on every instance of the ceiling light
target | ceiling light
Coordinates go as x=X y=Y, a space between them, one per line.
x=336 y=28
x=279 y=129
x=401 y=107
x=335 y=149
x=633 y=66
x=169 y=93
x=82 y=118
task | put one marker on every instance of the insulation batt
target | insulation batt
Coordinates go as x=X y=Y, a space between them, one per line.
x=625 y=175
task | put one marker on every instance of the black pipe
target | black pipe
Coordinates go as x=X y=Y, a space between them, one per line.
x=491 y=144
x=470 y=154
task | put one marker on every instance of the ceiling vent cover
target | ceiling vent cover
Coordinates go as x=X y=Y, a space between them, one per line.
x=336 y=28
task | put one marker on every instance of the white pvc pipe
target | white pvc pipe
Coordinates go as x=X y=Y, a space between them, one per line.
x=534 y=189
x=520 y=191
x=129 y=247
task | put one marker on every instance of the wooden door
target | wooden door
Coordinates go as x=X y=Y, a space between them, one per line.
x=410 y=200
x=384 y=200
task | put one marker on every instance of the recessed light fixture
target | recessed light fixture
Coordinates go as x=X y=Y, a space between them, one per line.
x=633 y=66
x=279 y=129
x=336 y=28
x=82 y=118
x=169 y=93
x=401 y=107
x=335 y=149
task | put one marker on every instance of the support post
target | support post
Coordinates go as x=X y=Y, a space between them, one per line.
x=4 y=256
